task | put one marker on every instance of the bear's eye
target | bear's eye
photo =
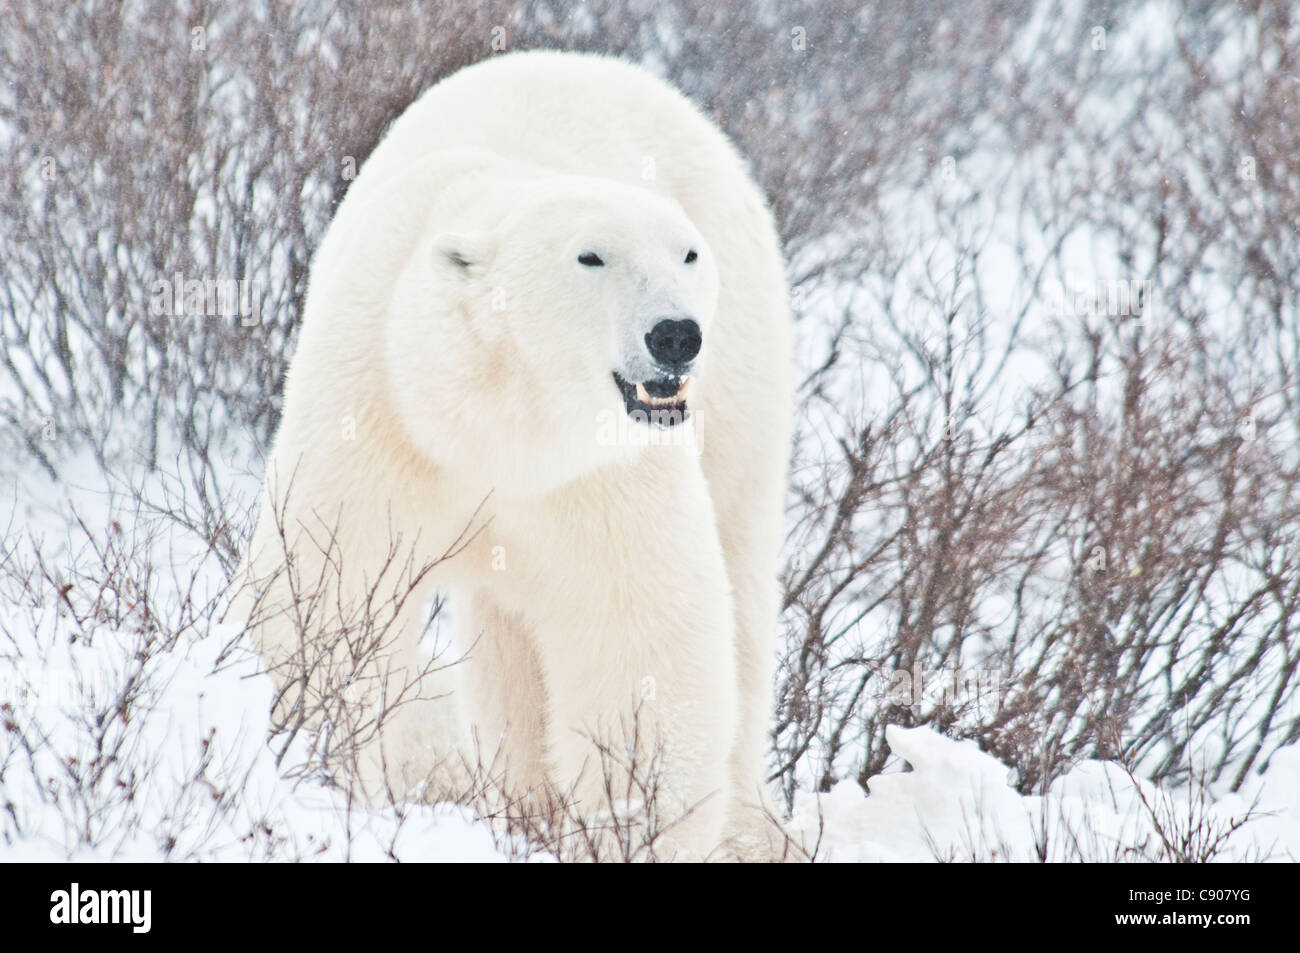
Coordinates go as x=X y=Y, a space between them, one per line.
x=691 y=256
x=590 y=259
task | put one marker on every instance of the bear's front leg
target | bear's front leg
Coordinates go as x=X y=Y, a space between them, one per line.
x=635 y=635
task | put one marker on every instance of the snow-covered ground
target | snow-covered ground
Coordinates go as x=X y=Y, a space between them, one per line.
x=955 y=804
x=204 y=784
x=187 y=772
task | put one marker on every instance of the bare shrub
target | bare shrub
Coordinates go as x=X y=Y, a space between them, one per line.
x=94 y=631
x=1073 y=472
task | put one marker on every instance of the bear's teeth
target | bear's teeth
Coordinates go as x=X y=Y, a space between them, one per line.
x=643 y=395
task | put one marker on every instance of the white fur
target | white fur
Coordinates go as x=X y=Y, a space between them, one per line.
x=608 y=563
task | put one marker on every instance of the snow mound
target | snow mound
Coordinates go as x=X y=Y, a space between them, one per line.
x=957 y=804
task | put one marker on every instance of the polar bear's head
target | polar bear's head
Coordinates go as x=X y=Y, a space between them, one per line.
x=514 y=346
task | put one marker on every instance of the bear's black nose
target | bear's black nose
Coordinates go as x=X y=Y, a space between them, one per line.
x=674 y=344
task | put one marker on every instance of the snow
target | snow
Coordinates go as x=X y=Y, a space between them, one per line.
x=207 y=785
x=956 y=804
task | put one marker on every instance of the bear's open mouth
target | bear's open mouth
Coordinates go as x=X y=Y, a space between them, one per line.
x=661 y=402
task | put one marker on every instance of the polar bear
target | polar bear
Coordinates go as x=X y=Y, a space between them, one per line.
x=545 y=369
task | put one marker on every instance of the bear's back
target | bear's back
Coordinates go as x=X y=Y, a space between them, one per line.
x=577 y=113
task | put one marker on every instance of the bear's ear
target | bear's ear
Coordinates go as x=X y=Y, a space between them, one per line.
x=465 y=253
